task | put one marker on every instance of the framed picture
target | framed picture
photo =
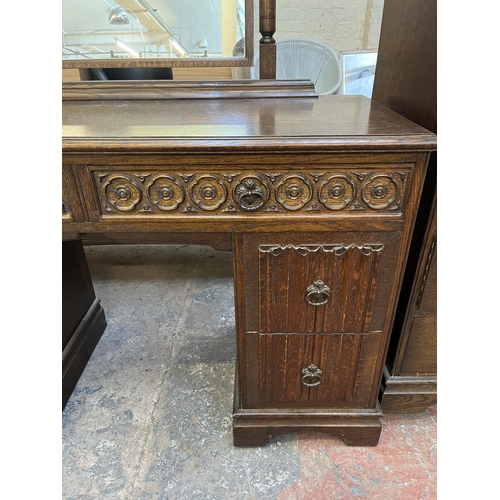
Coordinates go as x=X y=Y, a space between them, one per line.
x=358 y=68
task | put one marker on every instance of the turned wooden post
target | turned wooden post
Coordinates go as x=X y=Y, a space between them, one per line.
x=267 y=44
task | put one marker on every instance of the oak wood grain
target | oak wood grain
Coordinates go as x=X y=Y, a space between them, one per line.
x=307 y=189
x=406 y=82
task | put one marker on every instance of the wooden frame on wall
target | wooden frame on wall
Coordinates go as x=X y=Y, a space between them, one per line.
x=180 y=62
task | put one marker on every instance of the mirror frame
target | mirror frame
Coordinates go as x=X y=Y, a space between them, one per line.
x=180 y=62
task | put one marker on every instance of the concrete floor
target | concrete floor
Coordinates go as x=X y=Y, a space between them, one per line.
x=150 y=417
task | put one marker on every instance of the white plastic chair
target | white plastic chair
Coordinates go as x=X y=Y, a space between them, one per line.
x=300 y=58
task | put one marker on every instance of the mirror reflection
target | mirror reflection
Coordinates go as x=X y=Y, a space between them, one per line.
x=170 y=29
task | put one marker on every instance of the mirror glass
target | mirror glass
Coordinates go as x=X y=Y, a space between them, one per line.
x=145 y=31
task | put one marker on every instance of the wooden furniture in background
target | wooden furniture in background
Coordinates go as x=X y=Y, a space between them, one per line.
x=315 y=196
x=405 y=81
x=83 y=320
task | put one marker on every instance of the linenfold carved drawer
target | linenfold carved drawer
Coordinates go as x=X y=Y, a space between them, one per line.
x=315 y=370
x=315 y=319
x=317 y=288
x=156 y=193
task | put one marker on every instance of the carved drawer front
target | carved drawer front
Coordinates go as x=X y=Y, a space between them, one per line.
x=314 y=370
x=317 y=288
x=303 y=286
x=315 y=311
x=157 y=192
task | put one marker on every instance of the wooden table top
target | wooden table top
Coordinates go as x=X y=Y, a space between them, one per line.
x=331 y=122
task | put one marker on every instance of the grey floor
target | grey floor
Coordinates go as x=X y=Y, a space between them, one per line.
x=150 y=417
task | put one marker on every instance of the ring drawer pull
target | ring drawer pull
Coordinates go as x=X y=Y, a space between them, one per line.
x=318 y=293
x=311 y=376
x=249 y=196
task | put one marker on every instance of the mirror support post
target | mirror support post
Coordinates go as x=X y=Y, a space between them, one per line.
x=267 y=44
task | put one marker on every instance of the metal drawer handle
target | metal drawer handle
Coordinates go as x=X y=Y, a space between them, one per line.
x=249 y=196
x=318 y=293
x=311 y=376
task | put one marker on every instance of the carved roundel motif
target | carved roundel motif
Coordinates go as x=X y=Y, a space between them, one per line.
x=208 y=192
x=380 y=190
x=337 y=192
x=122 y=192
x=166 y=192
x=293 y=192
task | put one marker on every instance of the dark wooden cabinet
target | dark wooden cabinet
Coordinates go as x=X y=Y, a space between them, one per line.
x=83 y=320
x=318 y=197
x=405 y=81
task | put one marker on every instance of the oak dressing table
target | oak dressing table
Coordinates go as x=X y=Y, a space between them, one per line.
x=315 y=196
